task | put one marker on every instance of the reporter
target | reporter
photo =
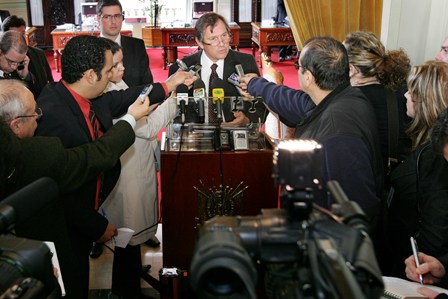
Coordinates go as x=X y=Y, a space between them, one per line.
x=25 y=159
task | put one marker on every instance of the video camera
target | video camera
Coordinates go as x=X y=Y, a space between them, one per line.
x=26 y=270
x=298 y=251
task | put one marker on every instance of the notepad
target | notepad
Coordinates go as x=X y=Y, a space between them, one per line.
x=55 y=261
x=397 y=288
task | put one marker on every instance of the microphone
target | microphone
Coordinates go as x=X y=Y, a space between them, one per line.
x=199 y=95
x=218 y=86
x=182 y=99
x=26 y=202
x=181 y=64
x=194 y=69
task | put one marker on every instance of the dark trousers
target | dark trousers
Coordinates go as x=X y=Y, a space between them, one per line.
x=126 y=271
x=284 y=51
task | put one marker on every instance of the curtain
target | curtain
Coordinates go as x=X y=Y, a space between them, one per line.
x=336 y=18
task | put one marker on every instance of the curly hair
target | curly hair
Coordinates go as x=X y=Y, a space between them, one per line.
x=83 y=52
x=367 y=53
x=326 y=58
x=208 y=20
x=427 y=85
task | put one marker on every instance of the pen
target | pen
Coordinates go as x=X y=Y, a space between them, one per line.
x=415 y=253
x=103 y=211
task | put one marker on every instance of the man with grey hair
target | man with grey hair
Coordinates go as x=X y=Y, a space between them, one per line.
x=442 y=55
x=13 y=60
x=24 y=160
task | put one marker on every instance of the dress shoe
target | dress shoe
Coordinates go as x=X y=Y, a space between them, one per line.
x=97 y=250
x=153 y=242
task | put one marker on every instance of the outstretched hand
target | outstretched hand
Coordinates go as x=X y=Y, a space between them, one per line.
x=180 y=77
x=139 y=109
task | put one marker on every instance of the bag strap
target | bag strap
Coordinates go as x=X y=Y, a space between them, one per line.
x=392 y=118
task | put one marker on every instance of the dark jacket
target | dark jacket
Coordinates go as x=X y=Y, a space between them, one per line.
x=233 y=58
x=344 y=124
x=135 y=61
x=419 y=208
x=40 y=68
x=70 y=168
x=63 y=118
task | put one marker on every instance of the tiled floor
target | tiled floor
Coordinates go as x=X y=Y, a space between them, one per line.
x=101 y=270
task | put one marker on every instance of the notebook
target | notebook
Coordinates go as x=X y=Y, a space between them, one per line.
x=397 y=288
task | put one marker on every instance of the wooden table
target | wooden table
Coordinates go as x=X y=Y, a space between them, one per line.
x=181 y=37
x=62 y=36
x=266 y=37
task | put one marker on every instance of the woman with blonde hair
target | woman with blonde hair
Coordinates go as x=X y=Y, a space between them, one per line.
x=419 y=205
x=427 y=97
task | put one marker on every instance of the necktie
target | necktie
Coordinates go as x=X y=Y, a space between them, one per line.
x=211 y=111
x=96 y=134
x=95 y=124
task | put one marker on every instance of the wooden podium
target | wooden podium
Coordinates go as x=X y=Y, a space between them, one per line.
x=182 y=171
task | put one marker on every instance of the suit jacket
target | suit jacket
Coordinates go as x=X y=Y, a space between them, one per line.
x=63 y=118
x=233 y=58
x=136 y=62
x=40 y=68
x=70 y=168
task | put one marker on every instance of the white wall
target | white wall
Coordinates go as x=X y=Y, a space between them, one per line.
x=417 y=26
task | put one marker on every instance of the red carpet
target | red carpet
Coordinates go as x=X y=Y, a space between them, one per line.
x=156 y=63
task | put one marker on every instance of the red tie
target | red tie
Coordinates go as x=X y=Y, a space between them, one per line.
x=96 y=134
x=211 y=111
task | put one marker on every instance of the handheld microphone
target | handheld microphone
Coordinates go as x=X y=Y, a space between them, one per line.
x=182 y=99
x=26 y=202
x=193 y=69
x=239 y=70
x=182 y=65
x=218 y=86
x=199 y=95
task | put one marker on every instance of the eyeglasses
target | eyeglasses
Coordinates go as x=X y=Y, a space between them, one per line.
x=13 y=63
x=214 y=41
x=38 y=112
x=117 y=17
x=297 y=65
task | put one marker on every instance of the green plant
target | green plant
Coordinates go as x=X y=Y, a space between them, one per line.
x=154 y=10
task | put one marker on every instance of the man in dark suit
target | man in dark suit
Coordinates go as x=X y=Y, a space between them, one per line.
x=212 y=34
x=14 y=64
x=38 y=61
x=67 y=107
x=135 y=59
x=76 y=110
x=26 y=159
